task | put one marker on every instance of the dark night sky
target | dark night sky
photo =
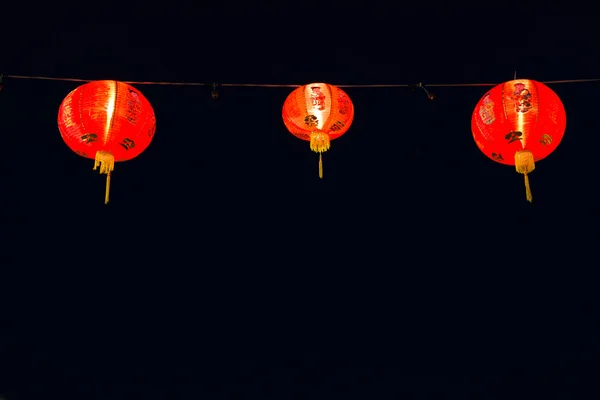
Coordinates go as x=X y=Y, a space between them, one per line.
x=224 y=268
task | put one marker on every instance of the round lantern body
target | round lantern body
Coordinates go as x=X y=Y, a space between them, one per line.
x=318 y=113
x=517 y=115
x=518 y=123
x=318 y=107
x=107 y=116
x=108 y=121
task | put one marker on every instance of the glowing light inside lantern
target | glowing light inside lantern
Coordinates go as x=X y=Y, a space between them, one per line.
x=110 y=109
x=521 y=128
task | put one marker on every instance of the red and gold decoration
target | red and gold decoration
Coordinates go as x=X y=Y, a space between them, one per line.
x=519 y=123
x=318 y=113
x=107 y=121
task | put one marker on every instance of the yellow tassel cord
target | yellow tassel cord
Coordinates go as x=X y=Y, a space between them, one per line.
x=321 y=165
x=524 y=164
x=319 y=142
x=106 y=161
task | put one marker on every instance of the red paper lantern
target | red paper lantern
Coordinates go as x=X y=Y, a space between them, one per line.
x=318 y=113
x=518 y=123
x=107 y=121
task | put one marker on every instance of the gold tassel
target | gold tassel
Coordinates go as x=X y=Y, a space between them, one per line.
x=524 y=164
x=319 y=142
x=527 y=189
x=321 y=165
x=106 y=161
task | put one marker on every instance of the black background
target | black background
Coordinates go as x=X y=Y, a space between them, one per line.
x=224 y=268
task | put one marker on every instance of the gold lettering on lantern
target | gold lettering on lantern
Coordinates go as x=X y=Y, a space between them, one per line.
x=311 y=121
x=81 y=153
x=68 y=110
x=497 y=157
x=546 y=140
x=486 y=110
x=344 y=104
x=127 y=144
x=513 y=136
x=318 y=98
x=553 y=114
x=134 y=107
x=337 y=126
x=89 y=138
x=152 y=129
x=522 y=98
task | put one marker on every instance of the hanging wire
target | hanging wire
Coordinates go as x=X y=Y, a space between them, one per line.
x=420 y=85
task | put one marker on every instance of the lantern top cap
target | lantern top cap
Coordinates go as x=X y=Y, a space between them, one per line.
x=521 y=81
x=318 y=84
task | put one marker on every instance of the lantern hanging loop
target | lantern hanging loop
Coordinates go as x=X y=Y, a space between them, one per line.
x=430 y=95
x=214 y=93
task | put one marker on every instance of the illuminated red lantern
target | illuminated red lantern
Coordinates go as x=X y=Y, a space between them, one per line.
x=318 y=113
x=107 y=121
x=519 y=123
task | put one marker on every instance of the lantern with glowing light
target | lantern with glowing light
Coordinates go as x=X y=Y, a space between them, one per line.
x=318 y=113
x=519 y=123
x=107 y=121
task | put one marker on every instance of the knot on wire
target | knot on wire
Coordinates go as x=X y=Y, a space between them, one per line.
x=430 y=95
x=215 y=92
